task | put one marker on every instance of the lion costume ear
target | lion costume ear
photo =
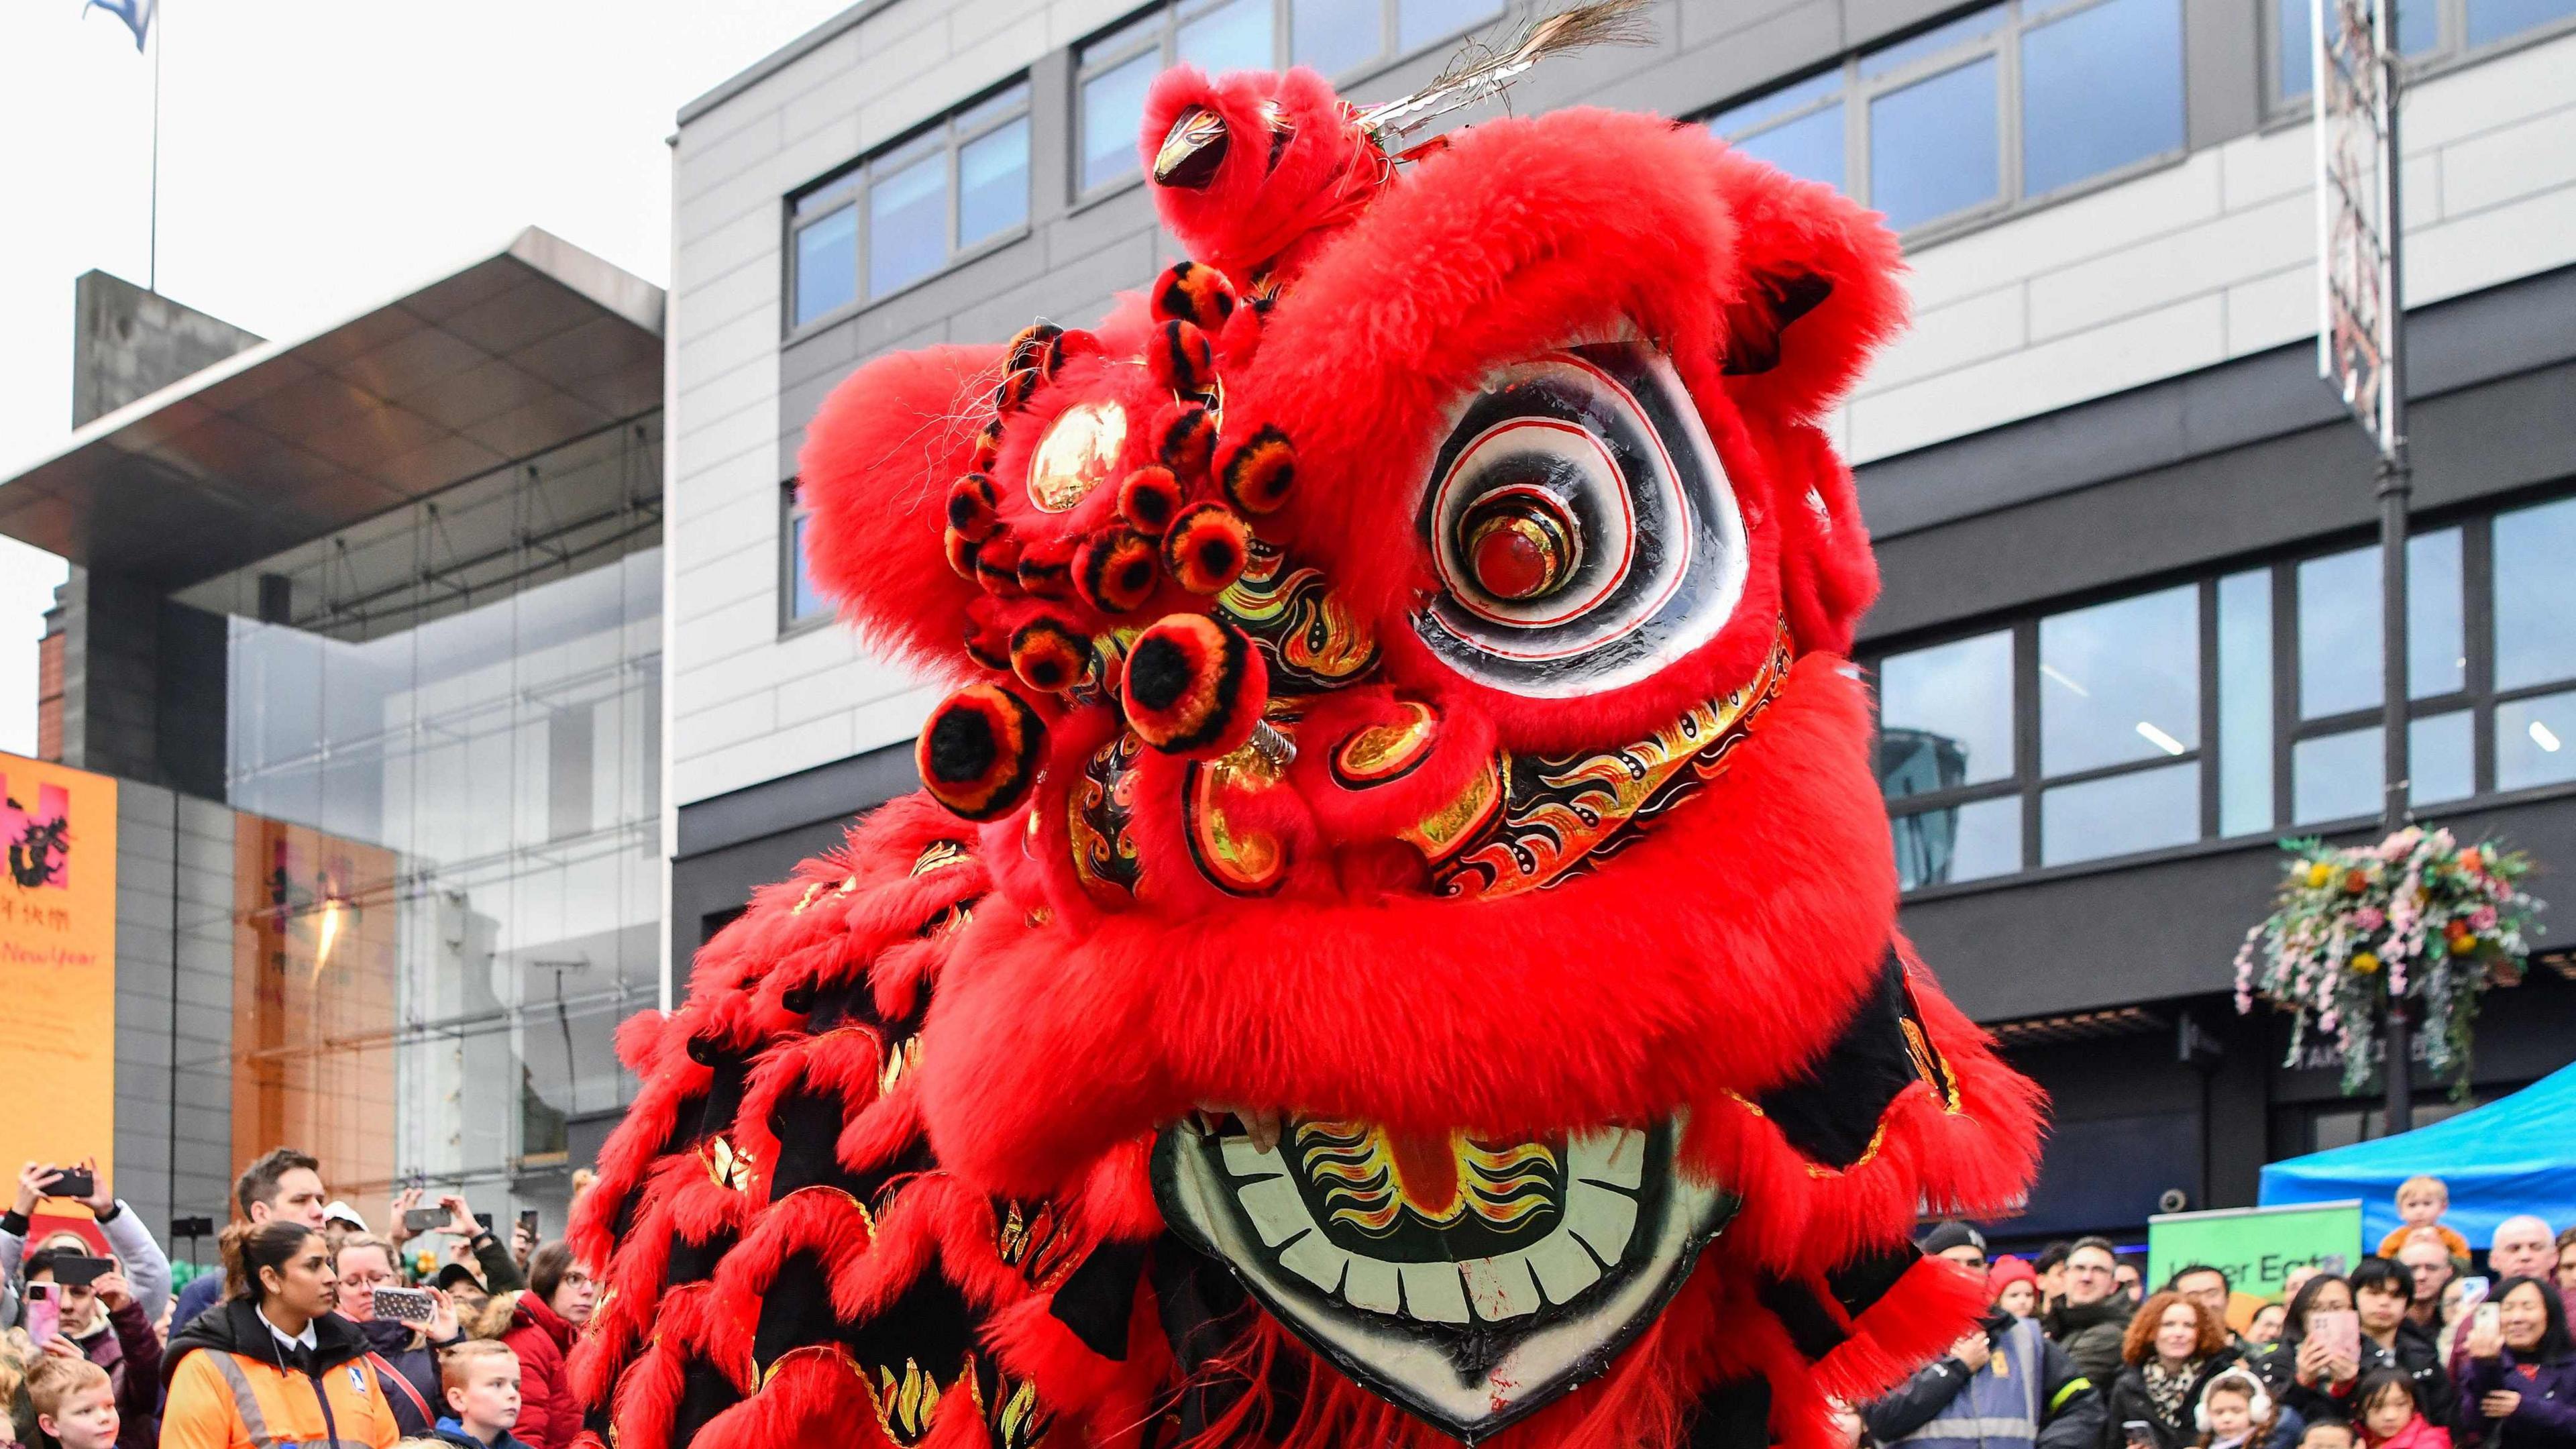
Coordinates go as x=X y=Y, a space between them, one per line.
x=876 y=468
x=1818 y=291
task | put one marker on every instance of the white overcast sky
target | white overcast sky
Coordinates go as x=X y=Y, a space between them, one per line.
x=315 y=158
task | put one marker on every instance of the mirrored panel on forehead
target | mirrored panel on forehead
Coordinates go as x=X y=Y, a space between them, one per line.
x=1581 y=525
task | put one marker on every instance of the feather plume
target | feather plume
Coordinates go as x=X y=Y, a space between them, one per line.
x=1482 y=72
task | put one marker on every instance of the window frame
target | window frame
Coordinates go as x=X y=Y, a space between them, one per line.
x=2478 y=697
x=1088 y=66
x=2003 y=45
x=791 y=566
x=2451 y=51
x=848 y=185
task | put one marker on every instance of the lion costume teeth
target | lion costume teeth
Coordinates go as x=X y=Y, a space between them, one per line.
x=1375 y=706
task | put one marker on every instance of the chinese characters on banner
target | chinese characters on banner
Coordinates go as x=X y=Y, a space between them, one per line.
x=57 y=964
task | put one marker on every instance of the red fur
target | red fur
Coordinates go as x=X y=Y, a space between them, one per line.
x=1714 y=956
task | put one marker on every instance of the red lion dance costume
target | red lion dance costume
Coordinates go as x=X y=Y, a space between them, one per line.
x=1398 y=945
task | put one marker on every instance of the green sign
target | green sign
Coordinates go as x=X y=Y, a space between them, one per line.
x=2257 y=1247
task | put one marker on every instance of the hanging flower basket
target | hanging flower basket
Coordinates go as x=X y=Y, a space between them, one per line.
x=2416 y=918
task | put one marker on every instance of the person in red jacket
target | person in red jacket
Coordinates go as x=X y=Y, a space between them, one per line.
x=2390 y=1415
x=540 y=1325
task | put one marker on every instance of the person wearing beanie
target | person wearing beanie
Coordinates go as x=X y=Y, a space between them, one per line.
x=2003 y=1385
x=2013 y=1286
x=1957 y=1242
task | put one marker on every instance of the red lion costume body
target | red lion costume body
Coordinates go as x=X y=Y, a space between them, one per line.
x=1399 y=942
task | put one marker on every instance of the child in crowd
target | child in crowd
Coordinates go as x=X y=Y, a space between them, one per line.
x=2421 y=1201
x=72 y=1404
x=2390 y=1416
x=480 y=1380
x=2234 y=1411
x=2326 y=1434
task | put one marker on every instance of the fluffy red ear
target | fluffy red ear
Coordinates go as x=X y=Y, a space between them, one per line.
x=1828 y=575
x=1819 y=291
x=879 y=460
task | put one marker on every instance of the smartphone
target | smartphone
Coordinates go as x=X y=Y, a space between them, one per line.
x=2489 y=1318
x=2339 y=1329
x=2138 y=1434
x=43 y=1314
x=2474 y=1290
x=73 y=1182
x=421 y=1220
x=483 y=1221
x=75 y=1271
x=528 y=1220
x=404 y=1305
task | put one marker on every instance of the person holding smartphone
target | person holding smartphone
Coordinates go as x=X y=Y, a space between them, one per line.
x=468 y=1237
x=2319 y=1360
x=100 y=1321
x=402 y=1343
x=145 y=1267
x=2518 y=1384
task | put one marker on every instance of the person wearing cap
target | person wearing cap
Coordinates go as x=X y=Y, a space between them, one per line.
x=340 y=1223
x=2013 y=1286
x=2003 y=1385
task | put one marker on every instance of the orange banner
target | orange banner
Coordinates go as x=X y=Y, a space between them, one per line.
x=57 y=965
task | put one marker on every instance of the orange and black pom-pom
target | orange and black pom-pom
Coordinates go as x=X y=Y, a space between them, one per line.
x=978 y=754
x=1187 y=441
x=1032 y=345
x=989 y=644
x=1207 y=548
x=1149 y=499
x=1046 y=567
x=973 y=507
x=1114 y=570
x=1015 y=390
x=1193 y=292
x=988 y=447
x=1258 y=471
x=1046 y=654
x=1181 y=358
x=961 y=552
x=997 y=565
x=1194 y=686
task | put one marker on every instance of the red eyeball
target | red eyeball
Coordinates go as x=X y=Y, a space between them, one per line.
x=961 y=552
x=1207 y=547
x=1047 y=655
x=1193 y=292
x=1258 y=471
x=972 y=507
x=1186 y=441
x=978 y=753
x=1194 y=686
x=997 y=565
x=1046 y=568
x=1114 y=570
x=1181 y=358
x=1149 y=499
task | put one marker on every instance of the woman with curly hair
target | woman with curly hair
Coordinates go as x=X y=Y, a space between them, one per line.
x=2173 y=1348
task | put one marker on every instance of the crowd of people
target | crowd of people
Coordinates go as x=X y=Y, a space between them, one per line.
x=316 y=1331
x=2413 y=1348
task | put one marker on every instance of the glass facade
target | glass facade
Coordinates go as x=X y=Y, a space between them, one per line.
x=443 y=748
x=2233 y=706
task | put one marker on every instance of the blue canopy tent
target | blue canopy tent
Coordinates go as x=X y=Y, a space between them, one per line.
x=2513 y=1155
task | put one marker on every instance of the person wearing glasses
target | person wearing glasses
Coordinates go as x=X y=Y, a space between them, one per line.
x=2094 y=1318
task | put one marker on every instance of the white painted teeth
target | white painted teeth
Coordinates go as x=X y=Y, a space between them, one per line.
x=1603 y=1169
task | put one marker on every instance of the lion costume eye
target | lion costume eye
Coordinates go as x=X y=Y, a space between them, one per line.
x=1581 y=526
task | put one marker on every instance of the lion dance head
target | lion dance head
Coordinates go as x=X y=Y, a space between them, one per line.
x=1397 y=944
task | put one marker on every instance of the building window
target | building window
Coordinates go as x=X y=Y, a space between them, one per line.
x=2233 y=707
x=2010 y=103
x=1334 y=37
x=2428 y=31
x=799 y=599
x=905 y=212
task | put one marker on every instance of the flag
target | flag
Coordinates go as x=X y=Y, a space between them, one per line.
x=137 y=15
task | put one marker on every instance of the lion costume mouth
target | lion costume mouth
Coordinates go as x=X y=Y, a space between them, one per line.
x=1474 y=1282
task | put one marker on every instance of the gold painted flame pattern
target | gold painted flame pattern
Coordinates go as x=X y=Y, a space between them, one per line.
x=1098 y=812
x=1352 y=1163
x=1527 y=823
x=1312 y=639
x=907 y=1403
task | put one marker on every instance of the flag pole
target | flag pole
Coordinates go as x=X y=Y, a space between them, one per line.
x=152 y=275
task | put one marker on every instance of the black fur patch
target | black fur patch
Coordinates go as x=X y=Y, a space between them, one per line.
x=1830 y=1112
